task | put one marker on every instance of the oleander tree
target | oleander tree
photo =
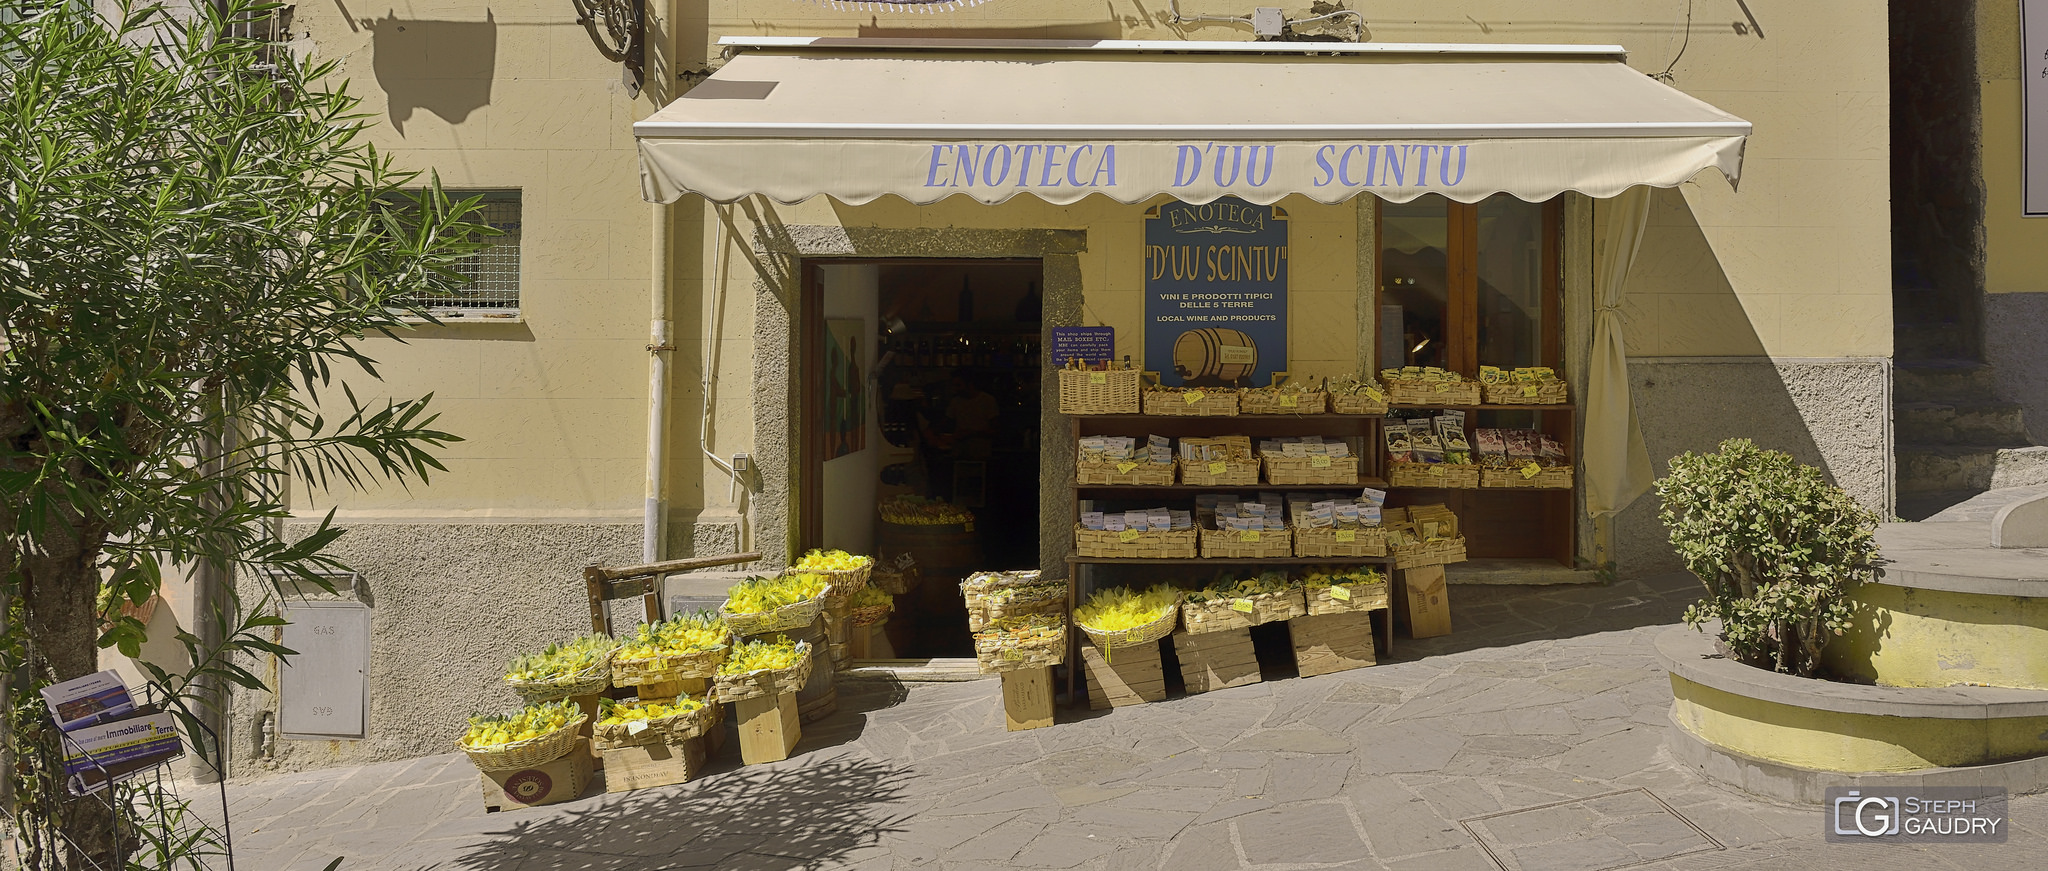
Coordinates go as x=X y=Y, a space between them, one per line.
x=195 y=237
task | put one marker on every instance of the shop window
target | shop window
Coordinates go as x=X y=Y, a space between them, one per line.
x=493 y=273
x=1463 y=286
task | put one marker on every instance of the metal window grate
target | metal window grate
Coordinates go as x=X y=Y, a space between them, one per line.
x=494 y=272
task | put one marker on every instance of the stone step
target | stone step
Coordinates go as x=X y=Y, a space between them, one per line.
x=1945 y=379
x=1933 y=468
x=1923 y=340
x=1992 y=424
x=1933 y=504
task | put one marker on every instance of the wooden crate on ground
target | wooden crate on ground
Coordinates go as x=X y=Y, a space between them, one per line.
x=1429 y=601
x=768 y=727
x=555 y=782
x=1131 y=676
x=1331 y=642
x=648 y=765
x=1027 y=698
x=1214 y=660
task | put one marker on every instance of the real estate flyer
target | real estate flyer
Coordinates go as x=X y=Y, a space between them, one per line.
x=106 y=753
x=95 y=698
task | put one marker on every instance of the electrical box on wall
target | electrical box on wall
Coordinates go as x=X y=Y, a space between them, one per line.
x=324 y=691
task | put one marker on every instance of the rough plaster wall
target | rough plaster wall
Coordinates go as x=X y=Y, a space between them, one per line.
x=1832 y=414
x=450 y=605
x=2016 y=346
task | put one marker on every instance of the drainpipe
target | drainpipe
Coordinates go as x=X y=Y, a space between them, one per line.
x=654 y=521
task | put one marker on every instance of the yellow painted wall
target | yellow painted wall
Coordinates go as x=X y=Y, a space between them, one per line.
x=1833 y=741
x=1905 y=637
x=2015 y=248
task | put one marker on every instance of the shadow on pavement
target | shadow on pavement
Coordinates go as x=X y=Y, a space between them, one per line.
x=1484 y=616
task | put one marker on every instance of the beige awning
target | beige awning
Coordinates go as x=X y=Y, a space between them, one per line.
x=854 y=119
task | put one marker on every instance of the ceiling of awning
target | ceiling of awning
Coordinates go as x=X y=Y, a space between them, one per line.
x=796 y=118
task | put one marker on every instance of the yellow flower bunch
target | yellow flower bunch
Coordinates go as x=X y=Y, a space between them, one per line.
x=761 y=595
x=870 y=596
x=1114 y=609
x=1318 y=578
x=613 y=713
x=532 y=722
x=683 y=633
x=759 y=655
x=562 y=661
x=832 y=561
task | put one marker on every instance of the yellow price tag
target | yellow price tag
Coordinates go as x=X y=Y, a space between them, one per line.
x=1528 y=390
x=1125 y=468
x=1340 y=592
x=1374 y=394
x=1242 y=606
x=1248 y=535
x=970 y=526
x=635 y=727
x=1219 y=467
x=1098 y=377
x=1192 y=396
x=1531 y=470
x=1443 y=387
x=1318 y=462
x=1127 y=535
x=1347 y=535
x=1288 y=400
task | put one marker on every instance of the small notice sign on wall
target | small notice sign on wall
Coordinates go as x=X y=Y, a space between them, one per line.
x=2034 y=82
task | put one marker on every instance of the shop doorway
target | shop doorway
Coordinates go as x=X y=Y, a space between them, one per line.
x=921 y=421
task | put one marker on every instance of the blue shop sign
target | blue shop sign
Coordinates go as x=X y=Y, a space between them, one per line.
x=1216 y=293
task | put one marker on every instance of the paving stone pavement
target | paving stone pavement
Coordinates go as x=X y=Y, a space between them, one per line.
x=1529 y=740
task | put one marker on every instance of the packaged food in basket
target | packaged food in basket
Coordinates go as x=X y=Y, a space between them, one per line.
x=1297 y=460
x=1013 y=643
x=536 y=735
x=1124 y=460
x=769 y=666
x=870 y=606
x=1229 y=602
x=685 y=646
x=1356 y=394
x=1529 y=385
x=649 y=721
x=1424 y=535
x=1344 y=589
x=1290 y=396
x=788 y=601
x=1218 y=461
x=1429 y=386
x=991 y=604
x=905 y=509
x=845 y=571
x=579 y=667
x=1338 y=524
x=1196 y=401
x=1120 y=617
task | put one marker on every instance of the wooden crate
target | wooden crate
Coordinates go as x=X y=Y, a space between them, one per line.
x=561 y=780
x=768 y=727
x=1331 y=642
x=1214 y=660
x=1132 y=676
x=649 y=765
x=1429 y=601
x=1027 y=698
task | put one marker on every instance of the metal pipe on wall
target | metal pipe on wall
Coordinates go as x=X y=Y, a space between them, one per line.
x=654 y=520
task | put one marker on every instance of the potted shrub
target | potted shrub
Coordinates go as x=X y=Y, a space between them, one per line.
x=1777 y=546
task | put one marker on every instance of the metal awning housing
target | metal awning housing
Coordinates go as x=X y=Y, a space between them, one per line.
x=855 y=119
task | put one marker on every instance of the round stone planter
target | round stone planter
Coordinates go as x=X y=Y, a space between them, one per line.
x=1948 y=611
x=1790 y=738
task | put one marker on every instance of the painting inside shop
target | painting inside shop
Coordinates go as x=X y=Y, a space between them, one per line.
x=929 y=389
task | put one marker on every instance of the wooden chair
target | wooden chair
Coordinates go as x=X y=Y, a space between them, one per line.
x=624 y=582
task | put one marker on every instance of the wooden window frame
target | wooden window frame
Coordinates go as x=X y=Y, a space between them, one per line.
x=1462 y=280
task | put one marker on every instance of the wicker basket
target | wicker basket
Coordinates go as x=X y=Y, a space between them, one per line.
x=1126 y=472
x=587 y=682
x=1559 y=478
x=1542 y=393
x=1232 y=544
x=530 y=753
x=1434 y=394
x=842 y=582
x=896 y=582
x=767 y=681
x=1312 y=470
x=667 y=667
x=1271 y=402
x=996 y=656
x=1129 y=544
x=783 y=619
x=1448 y=548
x=671 y=730
x=1370 y=541
x=870 y=615
x=1357 y=403
x=1449 y=476
x=1136 y=635
x=1216 y=615
x=1111 y=392
x=984 y=608
x=1363 y=597
x=1241 y=472
x=1208 y=403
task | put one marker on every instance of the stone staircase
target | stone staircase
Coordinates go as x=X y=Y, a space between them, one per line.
x=1955 y=438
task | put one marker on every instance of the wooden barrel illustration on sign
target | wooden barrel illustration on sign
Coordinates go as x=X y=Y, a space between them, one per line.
x=1215 y=357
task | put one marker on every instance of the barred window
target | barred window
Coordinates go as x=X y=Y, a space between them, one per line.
x=493 y=273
